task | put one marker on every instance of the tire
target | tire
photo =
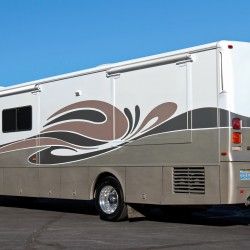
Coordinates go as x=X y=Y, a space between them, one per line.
x=109 y=200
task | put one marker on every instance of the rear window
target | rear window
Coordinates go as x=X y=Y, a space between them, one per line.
x=17 y=119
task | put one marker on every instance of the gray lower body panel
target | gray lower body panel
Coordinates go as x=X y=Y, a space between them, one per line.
x=149 y=172
x=148 y=185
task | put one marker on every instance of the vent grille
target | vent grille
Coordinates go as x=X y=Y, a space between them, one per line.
x=189 y=180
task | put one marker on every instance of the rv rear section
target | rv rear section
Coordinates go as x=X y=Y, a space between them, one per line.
x=170 y=129
x=234 y=122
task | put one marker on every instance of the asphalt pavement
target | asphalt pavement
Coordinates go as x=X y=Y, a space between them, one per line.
x=63 y=224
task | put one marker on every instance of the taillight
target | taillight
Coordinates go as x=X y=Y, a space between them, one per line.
x=236 y=137
x=236 y=123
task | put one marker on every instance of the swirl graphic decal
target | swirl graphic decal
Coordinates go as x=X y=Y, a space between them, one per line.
x=89 y=128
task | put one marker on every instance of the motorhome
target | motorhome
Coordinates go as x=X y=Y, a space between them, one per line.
x=169 y=129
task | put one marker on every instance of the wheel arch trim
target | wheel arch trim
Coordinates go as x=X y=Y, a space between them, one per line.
x=97 y=175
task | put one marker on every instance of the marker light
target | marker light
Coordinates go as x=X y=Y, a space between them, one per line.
x=230 y=46
x=242 y=191
x=236 y=137
x=236 y=123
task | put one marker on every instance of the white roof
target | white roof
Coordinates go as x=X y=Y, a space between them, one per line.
x=106 y=67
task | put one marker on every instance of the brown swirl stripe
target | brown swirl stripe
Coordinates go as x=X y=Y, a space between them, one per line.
x=162 y=112
x=101 y=131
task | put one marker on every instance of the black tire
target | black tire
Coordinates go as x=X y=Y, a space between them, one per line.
x=120 y=213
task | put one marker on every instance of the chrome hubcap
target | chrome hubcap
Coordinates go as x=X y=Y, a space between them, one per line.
x=108 y=199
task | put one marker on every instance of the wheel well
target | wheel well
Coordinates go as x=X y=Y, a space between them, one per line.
x=100 y=178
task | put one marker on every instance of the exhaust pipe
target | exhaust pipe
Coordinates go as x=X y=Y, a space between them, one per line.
x=247 y=203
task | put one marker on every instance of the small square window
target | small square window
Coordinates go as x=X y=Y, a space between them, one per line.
x=17 y=119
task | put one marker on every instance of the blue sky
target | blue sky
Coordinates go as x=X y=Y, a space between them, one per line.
x=41 y=38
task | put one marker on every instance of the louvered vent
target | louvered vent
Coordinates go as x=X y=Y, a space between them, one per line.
x=189 y=180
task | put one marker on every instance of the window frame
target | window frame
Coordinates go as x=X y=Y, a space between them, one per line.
x=16 y=121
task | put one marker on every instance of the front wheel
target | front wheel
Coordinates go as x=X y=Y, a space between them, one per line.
x=109 y=200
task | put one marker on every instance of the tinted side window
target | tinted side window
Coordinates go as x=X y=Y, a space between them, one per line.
x=9 y=120
x=24 y=118
x=17 y=119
